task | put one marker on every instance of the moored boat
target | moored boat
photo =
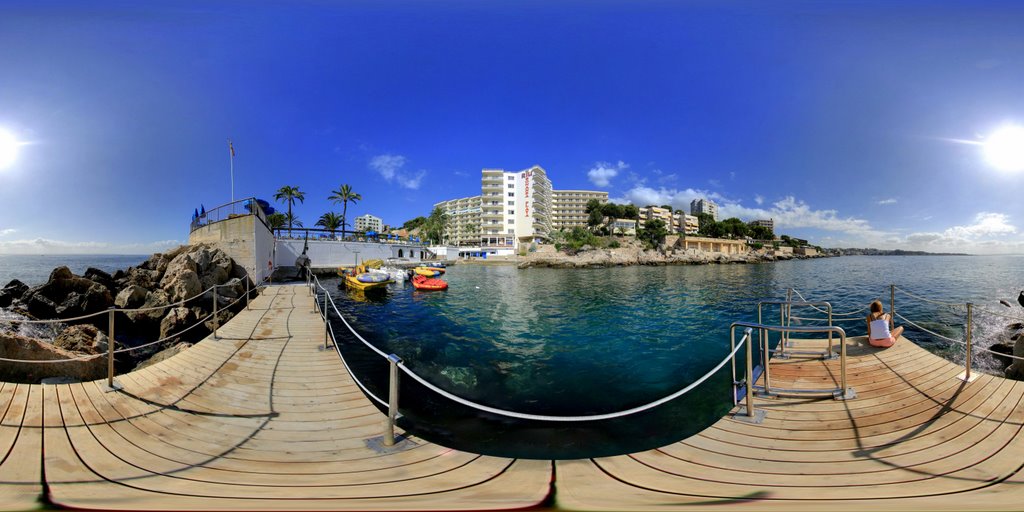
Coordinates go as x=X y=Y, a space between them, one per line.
x=421 y=282
x=363 y=279
x=429 y=271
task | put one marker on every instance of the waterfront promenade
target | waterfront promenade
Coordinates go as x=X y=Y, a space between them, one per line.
x=263 y=418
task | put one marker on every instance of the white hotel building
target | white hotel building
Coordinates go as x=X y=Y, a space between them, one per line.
x=513 y=208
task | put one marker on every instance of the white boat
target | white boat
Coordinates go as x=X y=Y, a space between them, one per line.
x=396 y=274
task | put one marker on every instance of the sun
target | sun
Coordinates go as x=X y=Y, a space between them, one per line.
x=8 y=149
x=1004 y=149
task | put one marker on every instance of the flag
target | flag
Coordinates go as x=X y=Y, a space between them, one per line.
x=231 y=147
x=195 y=213
x=202 y=210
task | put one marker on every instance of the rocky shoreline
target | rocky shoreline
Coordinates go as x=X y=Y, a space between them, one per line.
x=168 y=286
x=589 y=257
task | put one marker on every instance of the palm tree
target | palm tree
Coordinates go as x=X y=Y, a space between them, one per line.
x=288 y=194
x=276 y=220
x=292 y=220
x=344 y=195
x=330 y=221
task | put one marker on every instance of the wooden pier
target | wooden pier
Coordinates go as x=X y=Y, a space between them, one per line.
x=264 y=418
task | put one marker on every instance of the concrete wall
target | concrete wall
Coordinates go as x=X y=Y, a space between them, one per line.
x=331 y=254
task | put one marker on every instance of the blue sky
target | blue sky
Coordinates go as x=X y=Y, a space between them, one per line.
x=840 y=120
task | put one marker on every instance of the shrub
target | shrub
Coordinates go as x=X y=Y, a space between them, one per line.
x=614 y=244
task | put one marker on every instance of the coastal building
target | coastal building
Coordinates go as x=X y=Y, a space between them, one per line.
x=686 y=224
x=569 y=207
x=625 y=227
x=369 y=223
x=656 y=212
x=699 y=206
x=513 y=208
x=770 y=223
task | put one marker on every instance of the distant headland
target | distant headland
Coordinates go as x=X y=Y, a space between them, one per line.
x=890 y=252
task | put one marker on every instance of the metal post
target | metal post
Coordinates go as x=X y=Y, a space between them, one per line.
x=732 y=350
x=110 y=348
x=830 y=332
x=215 y=312
x=842 y=365
x=389 y=435
x=966 y=375
x=327 y=333
x=750 y=375
x=247 y=294
x=892 y=306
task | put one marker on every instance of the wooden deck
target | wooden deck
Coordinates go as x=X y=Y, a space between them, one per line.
x=262 y=418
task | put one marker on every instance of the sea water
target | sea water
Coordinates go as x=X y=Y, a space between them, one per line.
x=35 y=269
x=593 y=341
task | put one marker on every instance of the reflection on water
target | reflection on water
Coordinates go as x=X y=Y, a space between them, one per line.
x=588 y=341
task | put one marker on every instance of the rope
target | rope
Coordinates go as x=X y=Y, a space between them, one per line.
x=939 y=303
x=161 y=340
x=1011 y=356
x=592 y=417
x=993 y=313
x=44 y=361
x=834 y=314
x=350 y=372
x=901 y=317
x=90 y=315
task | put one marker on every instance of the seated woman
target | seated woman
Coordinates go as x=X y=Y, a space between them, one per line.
x=878 y=327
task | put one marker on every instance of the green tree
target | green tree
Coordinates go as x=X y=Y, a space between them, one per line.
x=433 y=228
x=276 y=220
x=734 y=227
x=653 y=233
x=612 y=210
x=289 y=195
x=706 y=226
x=292 y=220
x=595 y=218
x=594 y=204
x=667 y=207
x=761 y=232
x=630 y=211
x=412 y=224
x=330 y=221
x=344 y=195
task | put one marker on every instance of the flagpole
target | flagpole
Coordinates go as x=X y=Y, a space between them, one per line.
x=231 y=156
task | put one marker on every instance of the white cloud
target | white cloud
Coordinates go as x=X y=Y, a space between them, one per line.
x=603 y=172
x=792 y=213
x=8 y=231
x=680 y=199
x=759 y=199
x=390 y=168
x=891 y=200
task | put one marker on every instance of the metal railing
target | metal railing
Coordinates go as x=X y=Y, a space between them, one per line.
x=396 y=365
x=341 y=235
x=843 y=392
x=238 y=208
x=111 y=312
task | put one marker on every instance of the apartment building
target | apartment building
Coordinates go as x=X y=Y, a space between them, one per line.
x=770 y=223
x=369 y=223
x=699 y=206
x=569 y=207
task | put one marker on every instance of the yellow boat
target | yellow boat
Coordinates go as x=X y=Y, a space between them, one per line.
x=360 y=279
x=429 y=271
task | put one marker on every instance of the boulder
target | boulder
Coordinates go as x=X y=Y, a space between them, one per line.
x=15 y=346
x=84 y=338
x=1002 y=351
x=69 y=294
x=181 y=281
x=177 y=320
x=93 y=299
x=98 y=276
x=165 y=354
x=142 y=277
x=12 y=291
x=232 y=289
x=153 y=299
x=131 y=297
x=1016 y=369
x=40 y=306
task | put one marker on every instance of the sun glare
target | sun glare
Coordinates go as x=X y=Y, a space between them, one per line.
x=1004 y=149
x=8 y=149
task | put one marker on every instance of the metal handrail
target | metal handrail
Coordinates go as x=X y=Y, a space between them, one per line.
x=396 y=364
x=225 y=212
x=841 y=393
x=785 y=316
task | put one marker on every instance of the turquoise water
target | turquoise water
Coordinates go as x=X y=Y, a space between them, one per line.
x=578 y=342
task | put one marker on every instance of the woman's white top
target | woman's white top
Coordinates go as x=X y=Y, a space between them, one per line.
x=880 y=329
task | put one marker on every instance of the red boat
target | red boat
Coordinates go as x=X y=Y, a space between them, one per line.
x=428 y=283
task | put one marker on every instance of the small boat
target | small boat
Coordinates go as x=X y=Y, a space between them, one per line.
x=421 y=282
x=364 y=280
x=429 y=271
x=397 y=274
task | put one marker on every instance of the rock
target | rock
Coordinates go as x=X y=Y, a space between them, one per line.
x=232 y=289
x=98 y=276
x=11 y=291
x=1016 y=369
x=93 y=299
x=155 y=298
x=67 y=296
x=181 y=280
x=14 y=346
x=82 y=338
x=223 y=316
x=1003 y=302
x=39 y=306
x=460 y=376
x=177 y=320
x=131 y=297
x=142 y=277
x=165 y=354
x=1002 y=351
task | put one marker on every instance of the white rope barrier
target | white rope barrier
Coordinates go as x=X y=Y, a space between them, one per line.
x=351 y=373
x=513 y=414
x=993 y=313
x=901 y=317
x=834 y=314
x=936 y=302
